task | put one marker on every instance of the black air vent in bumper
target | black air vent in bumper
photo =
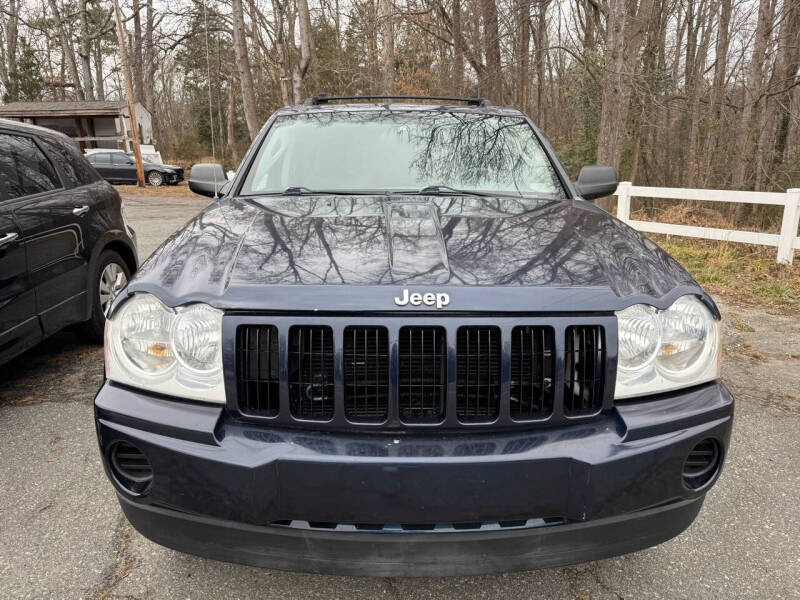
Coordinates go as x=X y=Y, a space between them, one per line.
x=478 y=374
x=311 y=384
x=422 y=379
x=366 y=374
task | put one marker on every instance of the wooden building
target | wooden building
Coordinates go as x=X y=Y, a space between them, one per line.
x=93 y=124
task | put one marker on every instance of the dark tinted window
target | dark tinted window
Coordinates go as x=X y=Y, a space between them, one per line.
x=101 y=158
x=118 y=158
x=83 y=170
x=60 y=154
x=24 y=168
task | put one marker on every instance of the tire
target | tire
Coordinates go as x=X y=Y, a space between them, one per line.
x=110 y=276
x=155 y=178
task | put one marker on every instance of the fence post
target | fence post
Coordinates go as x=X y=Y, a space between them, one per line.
x=624 y=201
x=791 y=219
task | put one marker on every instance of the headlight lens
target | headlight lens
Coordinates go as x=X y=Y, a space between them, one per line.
x=171 y=351
x=665 y=350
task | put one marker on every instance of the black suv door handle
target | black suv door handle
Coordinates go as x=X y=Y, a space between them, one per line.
x=80 y=210
x=8 y=238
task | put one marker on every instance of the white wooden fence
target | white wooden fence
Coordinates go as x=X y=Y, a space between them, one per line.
x=786 y=242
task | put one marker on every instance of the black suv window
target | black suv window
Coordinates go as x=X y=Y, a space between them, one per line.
x=24 y=168
x=100 y=158
x=118 y=158
x=69 y=159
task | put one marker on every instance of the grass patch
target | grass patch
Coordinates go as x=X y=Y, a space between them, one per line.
x=741 y=273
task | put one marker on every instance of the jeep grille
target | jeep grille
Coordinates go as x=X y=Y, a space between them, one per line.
x=359 y=374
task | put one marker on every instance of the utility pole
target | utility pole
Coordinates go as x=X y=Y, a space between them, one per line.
x=126 y=76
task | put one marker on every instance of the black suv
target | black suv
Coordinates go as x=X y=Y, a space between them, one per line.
x=403 y=342
x=65 y=249
x=118 y=167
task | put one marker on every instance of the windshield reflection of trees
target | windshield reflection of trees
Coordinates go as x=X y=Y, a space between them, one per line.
x=462 y=150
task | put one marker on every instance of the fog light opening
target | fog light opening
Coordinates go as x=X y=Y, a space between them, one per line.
x=130 y=467
x=702 y=464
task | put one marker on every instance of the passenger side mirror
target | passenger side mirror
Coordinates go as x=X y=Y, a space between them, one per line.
x=209 y=179
x=596 y=181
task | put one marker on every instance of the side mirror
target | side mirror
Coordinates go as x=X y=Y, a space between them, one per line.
x=596 y=181
x=208 y=179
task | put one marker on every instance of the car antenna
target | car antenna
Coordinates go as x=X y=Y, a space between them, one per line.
x=210 y=108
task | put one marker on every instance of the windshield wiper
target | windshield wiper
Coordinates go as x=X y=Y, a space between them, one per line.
x=443 y=190
x=298 y=190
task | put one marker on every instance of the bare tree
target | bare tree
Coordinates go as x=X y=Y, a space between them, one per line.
x=243 y=64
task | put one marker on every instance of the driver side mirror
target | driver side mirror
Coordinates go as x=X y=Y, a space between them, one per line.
x=209 y=179
x=596 y=181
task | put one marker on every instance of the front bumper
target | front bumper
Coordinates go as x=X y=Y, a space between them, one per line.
x=347 y=503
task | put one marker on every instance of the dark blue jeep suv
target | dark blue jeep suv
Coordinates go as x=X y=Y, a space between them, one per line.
x=404 y=343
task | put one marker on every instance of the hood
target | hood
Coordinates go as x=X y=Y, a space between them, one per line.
x=331 y=252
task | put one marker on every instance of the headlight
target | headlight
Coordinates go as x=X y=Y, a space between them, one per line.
x=171 y=351
x=662 y=350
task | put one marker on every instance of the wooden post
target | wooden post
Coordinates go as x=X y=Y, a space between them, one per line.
x=791 y=219
x=126 y=76
x=623 y=194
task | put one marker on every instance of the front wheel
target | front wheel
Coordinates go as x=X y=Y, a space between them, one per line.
x=155 y=178
x=110 y=277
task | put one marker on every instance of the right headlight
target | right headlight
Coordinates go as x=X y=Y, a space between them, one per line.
x=171 y=351
x=663 y=350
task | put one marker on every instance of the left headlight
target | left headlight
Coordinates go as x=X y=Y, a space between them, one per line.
x=663 y=350
x=171 y=351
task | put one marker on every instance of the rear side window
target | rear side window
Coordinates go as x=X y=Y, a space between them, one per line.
x=24 y=168
x=75 y=168
x=101 y=158
x=119 y=158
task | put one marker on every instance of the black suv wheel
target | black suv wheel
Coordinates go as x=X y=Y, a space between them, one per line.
x=112 y=274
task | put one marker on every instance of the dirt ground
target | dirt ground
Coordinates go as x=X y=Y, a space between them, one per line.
x=62 y=534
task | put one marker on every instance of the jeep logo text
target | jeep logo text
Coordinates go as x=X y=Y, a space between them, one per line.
x=439 y=300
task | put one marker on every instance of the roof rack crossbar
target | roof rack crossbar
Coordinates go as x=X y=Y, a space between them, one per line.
x=325 y=99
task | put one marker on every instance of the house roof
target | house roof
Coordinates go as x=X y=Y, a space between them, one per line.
x=89 y=108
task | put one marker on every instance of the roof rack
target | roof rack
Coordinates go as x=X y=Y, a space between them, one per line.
x=325 y=99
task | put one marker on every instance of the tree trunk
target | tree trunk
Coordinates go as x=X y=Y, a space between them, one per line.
x=787 y=66
x=493 y=80
x=68 y=55
x=231 y=139
x=718 y=90
x=243 y=64
x=540 y=43
x=386 y=18
x=458 y=49
x=98 y=70
x=755 y=80
x=617 y=85
x=306 y=50
x=86 y=51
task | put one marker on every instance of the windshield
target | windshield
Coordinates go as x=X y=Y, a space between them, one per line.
x=381 y=151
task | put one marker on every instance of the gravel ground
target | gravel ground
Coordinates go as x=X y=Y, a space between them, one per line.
x=62 y=534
